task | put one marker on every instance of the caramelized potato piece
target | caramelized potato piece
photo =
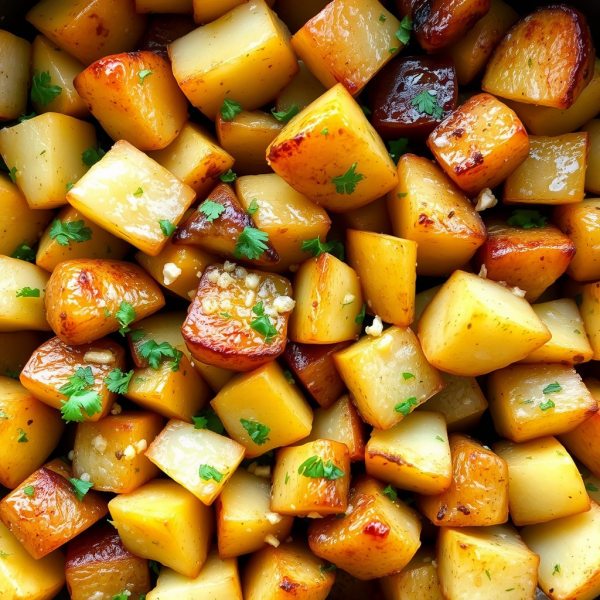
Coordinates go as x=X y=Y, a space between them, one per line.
x=14 y=64
x=81 y=292
x=378 y=538
x=592 y=175
x=98 y=563
x=524 y=66
x=373 y=217
x=530 y=401
x=24 y=514
x=238 y=319
x=480 y=143
x=164 y=522
x=263 y=398
x=429 y=209
x=304 y=89
x=478 y=494
x=89 y=31
x=163 y=30
x=393 y=96
x=388 y=376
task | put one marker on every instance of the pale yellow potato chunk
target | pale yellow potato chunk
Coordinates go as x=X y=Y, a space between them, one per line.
x=422 y=299
x=474 y=326
x=206 y=11
x=15 y=53
x=46 y=153
x=257 y=62
x=588 y=299
x=128 y=194
x=302 y=90
x=372 y=217
x=592 y=175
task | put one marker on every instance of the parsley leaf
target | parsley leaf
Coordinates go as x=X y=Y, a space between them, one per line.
x=382 y=18
x=22 y=437
x=403 y=34
x=24 y=252
x=556 y=569
x=347 y=182
x=27 y=292
x=526 y=219
x=143 y=74
x=4 y=554
x=313 y=467
x=81 y=488
x=590 y=487
x=316 y=248
x=89 y=401
x=406 y=376
x=3 y=415
x=137 y=335
x=156 y=352
x=397 y=148
x=200 y=422
x=288 y=376
x=366 y=110
x=552 y=388
x=426 y=102
x=361 y=315
x=390 y=492
x=118 y=382
x=211 y=210
x=29 y=490
x=546 y=405
x=228 y=177
x=208 y=419
x=578 y=299
x=263 y=324
x=323 y=568
x=488 y=575
x=41 y=91
x=166 y=227
x=154 y=567
x=12 y=375
x=251 y=243
x=70 y=186
x=207 y=473
x=285 y=116
x=404 y=407
x=529 y=62
x=125 y=315
x=437 y=437
x=91 y=156
x=122 y=596
x=13 y=174
x=81 y=379
x=26 y=118
x=258 y=432
x=252 y=207
x=65 y=233
x=229 y=109
x=138 y=193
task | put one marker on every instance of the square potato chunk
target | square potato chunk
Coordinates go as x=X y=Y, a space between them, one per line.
x=588 y=300
x=14 y=64
x=303 y=89
x=592 y=175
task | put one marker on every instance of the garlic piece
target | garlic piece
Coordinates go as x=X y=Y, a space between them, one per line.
x=170 y=273
x=376 y=328
x=99 y=357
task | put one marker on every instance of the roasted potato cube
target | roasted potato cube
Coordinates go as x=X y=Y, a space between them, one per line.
x=480 y=144
x=372 y=217
x=447 y=231
x=183 y=7
x=304 y=89
x=54 y=514
x=524 y=66
x=100 y=286
x=25 y=578
x=16 y=56
x=413 y=455
x=388 y=376
x=244 y=518
x=531 y=401
x=592 y=175
x=200 y=460
x=313 y=365
x=378 y=538
x=311 y=480
x=89 y=31
x=214 y=376
x=162 y=521
x=286 y=215
x=587 y=299
x=331 y=154
x=462 y=402
x=132 y=197
x=422 y=299
x=262 y=410
x=22 y=291
x=478 y=493
x=486 y=562
x=163 y=30
x=569 y=558
x=470 y=312
x=98 y=563
x=553 y=173
x=46 y=152
x=531 y=259
x=257 y=62
x=329 y=302
x=206 y=11
x=111 y=451
x=15 y=349
x=238 y=319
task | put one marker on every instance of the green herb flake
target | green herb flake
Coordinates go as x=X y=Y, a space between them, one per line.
x=392 y=50
x=230 y=109
x=91 y=156
x=509 y=590
x=325 y=131
x=285 y=116
x=553 y=388
x=22 y=437
x=441 y=439
x=252 y=207
x=125 y=315
x=73 y=231
x=406 y=376
x=347 y=182
x=578 y=299
x=527 y=219
x=529 y=62
x=263 y=324
x=546 y=405
x=13 y=174
x=81 y=488
x=316 y=248
x=382 y=18
x=3 y=415
x=287 y=478
x=405 y=407
x=41 y=91
x=155 y=353
x=402 y=194
x=556 y=569
x=4 y=554
x=366 y=110
x=313 y=467
x=228 y=177
x=138 y=193
x=166 y=227
x=211 y=210
x=42 y=152
x=143 y=74
x=390 y=492
x=29 y=490
x=251 y=243
x=11 y=374
x=330 y=568
x=225 y=315
x=288 y=376
x=397 y=148
x=24 y=252
x=25 y=117
x=488 y=575
x=403 y=34
x=361 y=315
x=87 y=401
x=426 y=103
x=208 y=419
x=576 y=331
x=258 y=432
x=70 y=186
x=118 y=382
x=28 y=292
x=207 y=473
x=137 y=335
x=590 y=487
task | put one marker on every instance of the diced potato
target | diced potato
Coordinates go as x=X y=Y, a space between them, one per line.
x=286 y=215
x=131 y=196
x=301 y=489
x=313 y=365
x=247 y=138
x=481 y=143
x=111 y=451
x=531 y=465
x=588 y=299
x=16 y=56
x=486 y=563
x=53 y=515
x=478 y=494
x=372 y=217
x=99 y=566
x=18 y=310
x=524 y=66
x=592 y=484
x=214 y=376
x=531 y=401
x=531 y=259
x=15 y=349
x=386 y=267
x=378 y=538
x=183 y=7
x=413 y=455
x=257 y=62
x=265 y=398
x=462 y=402
x=429 y=209
x=244 y=518
x=569 y=344
x=329 y=301
x=23 y=577
x=87 y=30
x=162 y=521
x=474 y=326
x=217 y=576
x=193 y=457
x=304 y=89
x=46 y=153
x=471 y=53
x=569 y=556
x=146 y=109
x=592 y=175
x=388 y=376
x=101 y=244
x=206 y=11
x=553 y=173
x=195 y=158
x=290 y=569
x=331 y=154
x=100 y=287
x=422 y=299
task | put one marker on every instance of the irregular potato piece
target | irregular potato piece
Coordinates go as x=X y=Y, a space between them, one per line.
x=16 y=56
x=587 y=298
x=592 y=175
x=372 y=217
x=304 y=89
x=422 y=299
x=206 y=11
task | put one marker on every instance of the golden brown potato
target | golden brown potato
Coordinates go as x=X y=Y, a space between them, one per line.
x=587 y=297
x=592 y=176
x=524 y=66
x=304 y=89
x=16 y=56
x=371 y=217
x=478 y=494
x=206 y=11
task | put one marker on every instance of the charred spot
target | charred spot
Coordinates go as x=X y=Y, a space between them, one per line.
x=287 y=585
x=442 y=512
x=463 y=546
x=450 y=214
x=30 y=422
x=458 y=132
x=473 y=161
x=578 y=358
x=464 y=510
x=286 y=149
x=424 y=219
x=63 y=315
x=119 y=454
x=376 y=529
x=390 y=458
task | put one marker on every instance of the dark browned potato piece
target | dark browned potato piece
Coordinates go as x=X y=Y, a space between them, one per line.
x=164 y=29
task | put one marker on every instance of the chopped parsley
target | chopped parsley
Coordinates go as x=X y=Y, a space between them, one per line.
x=546 y=405
x=29 y=490
x=28 y=292
x=576 y=331
x=74 y=231
x=529 y=62
x=228 y=177
x=263 y=324
x=81 y=488
x=325 y=131
x=251 y=243
x=70 y=186
x=22 y=437
x=316 y=248
x=125 y=315
x=287 y=478
x=156 y=352
x=397 y=148
x=225 y=315
x=366 y=110
x=390 y=492
x=13 y=174
x=488 y=575
x=118 y=382
x=137 y=335
x=252 y=207
x=12 y=375
x=91 y=156
x=211 y=210
x=26 y=118
x=590 y=487
x=382 y=18
x=553 y=388
x=258 y=432
x=361 y=315
x=426 y=102
x=323 y=568
x=138 y=193
x=207 y=473
x=285 y=116
x=24 y=252
x=3 y=415
x=313 y=467
x=556 y=569
x=230 y=109
x=166 y=227
x=403 y=34
x=406 y=376
x=347 y=182
x=527 y=219
x=208 y=419
x=405 y=407
x=41 y=91
x=143 y=74
x=437 y=437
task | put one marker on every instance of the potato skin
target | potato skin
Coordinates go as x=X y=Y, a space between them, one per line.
x=79 y=291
